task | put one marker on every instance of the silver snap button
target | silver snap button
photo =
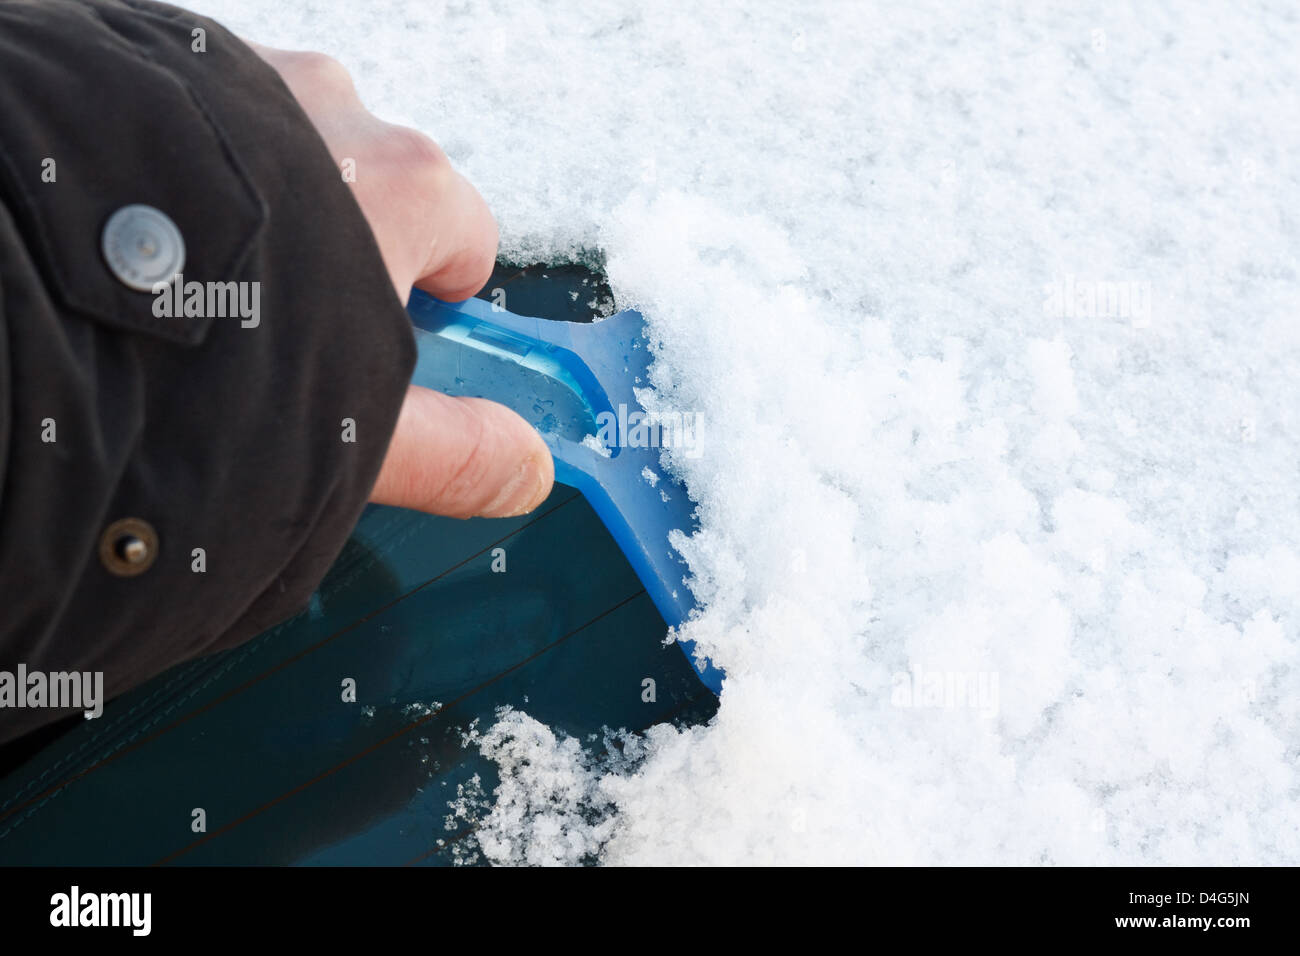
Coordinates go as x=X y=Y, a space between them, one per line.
x=143 y=247
x=128 y=547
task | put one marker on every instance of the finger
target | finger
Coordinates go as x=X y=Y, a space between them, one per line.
x=433 y=228
x=463 y=457
x=464 y=247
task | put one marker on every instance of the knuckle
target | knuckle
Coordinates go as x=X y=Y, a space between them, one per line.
x=461 y=493
x=416 y=155
x=319 y=71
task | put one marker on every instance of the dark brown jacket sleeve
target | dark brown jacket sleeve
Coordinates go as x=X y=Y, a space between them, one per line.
x=211 y=450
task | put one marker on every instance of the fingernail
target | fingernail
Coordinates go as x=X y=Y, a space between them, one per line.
x=521 y=494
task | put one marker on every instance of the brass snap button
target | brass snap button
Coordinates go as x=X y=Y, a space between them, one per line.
x=128 y=547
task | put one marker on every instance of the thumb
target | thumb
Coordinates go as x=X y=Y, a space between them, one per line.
x=463 y=457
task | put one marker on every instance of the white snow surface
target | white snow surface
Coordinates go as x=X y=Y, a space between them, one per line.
x=992 y=312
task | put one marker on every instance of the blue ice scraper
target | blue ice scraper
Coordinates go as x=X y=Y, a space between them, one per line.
x=575 y=383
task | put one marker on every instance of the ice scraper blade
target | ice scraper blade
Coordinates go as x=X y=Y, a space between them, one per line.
x=575 y=383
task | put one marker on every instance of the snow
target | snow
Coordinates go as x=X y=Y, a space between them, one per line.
x=992 y=311
x=596 y=445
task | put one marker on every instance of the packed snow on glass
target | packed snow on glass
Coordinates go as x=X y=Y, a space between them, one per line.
x=991 y=310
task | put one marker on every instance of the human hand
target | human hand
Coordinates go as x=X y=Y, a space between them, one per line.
x=459 y=457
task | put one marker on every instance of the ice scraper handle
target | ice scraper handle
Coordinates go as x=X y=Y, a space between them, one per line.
x=574 y=383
